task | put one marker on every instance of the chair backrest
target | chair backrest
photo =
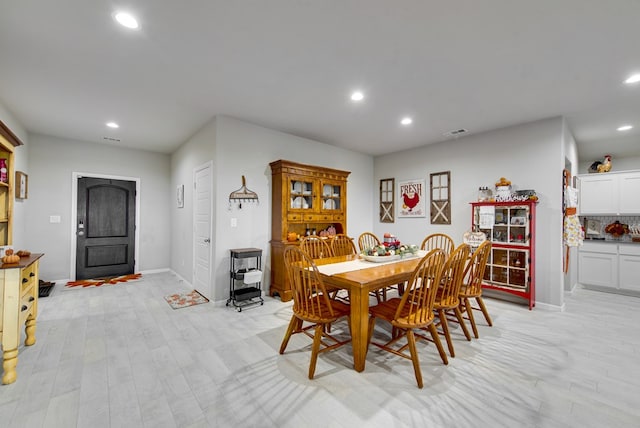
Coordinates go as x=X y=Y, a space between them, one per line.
x=342 y=245
x=309 y=293
x=416 y=306
x=452 y=275
x=438 y=241
x=474 y=270
x=316 y=247
x=367 y=240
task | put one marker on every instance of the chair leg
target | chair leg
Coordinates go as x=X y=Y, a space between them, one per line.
x=378 y=296
x=484 y=310
x=436 y=340
x=372 y=323
x=472 y=319
x=317 y=339
x=294 y=325
x=445 y=330
x=465 y=330
x=414 y=357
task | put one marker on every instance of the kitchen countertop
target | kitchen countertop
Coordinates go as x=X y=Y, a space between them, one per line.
x=609 y=241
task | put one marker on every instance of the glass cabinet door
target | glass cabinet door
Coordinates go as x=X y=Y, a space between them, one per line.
x=508 y=267
x=301 y=194
x=510 y=226
x=331 y=196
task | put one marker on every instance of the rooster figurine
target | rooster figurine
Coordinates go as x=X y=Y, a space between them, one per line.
x=604 y=166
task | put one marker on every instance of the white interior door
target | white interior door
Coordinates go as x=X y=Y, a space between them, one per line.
x=202 y=229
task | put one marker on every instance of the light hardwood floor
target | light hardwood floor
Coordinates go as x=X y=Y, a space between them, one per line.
x=119 y=356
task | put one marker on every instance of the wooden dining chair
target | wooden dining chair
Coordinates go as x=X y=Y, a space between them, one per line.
x=311 y=304
x=447 y=298
x=471 y=287
x=438 y=241
x=316 y=247
x=414 y=310
x=342 y=245
x=367 y=240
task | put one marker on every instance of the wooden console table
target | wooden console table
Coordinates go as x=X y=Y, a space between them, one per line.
x=18 y=306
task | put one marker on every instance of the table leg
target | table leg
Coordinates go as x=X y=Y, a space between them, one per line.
x=359 y=301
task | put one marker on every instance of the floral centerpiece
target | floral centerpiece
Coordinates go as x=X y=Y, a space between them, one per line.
x=407 y=249
x=388 y=250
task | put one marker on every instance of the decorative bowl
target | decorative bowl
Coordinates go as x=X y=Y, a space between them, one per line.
x=380 y=259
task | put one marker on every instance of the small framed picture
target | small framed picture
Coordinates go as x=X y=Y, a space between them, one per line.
x=22 y=185
x=593 y=227
x=518 y=221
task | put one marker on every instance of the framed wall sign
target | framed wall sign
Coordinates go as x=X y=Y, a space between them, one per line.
x=180 y=196
x=387 y=188
x=440 y=183
x=22 y=185
x=411 y=195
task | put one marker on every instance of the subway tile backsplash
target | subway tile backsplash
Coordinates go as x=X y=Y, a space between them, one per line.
x=597 y=224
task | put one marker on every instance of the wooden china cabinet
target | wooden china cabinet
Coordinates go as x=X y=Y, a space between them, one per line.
x=304 y=197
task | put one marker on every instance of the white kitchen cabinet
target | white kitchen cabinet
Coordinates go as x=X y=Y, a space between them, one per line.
x=598 y=264
x=610 y=265
x=609 y=193
x=629 y=193
x=629 y=265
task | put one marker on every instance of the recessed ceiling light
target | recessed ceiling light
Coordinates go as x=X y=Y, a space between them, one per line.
x=634 y=78
x=357 y=96
x=126 y=20
x=113 y=125
x=406 y=121
x=625 y=128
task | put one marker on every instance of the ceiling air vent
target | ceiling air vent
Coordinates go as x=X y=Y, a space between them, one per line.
x=456 y=132
x=113 y=140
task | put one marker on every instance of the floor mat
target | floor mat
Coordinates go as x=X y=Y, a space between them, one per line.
x=183 y=300
x=97 y=282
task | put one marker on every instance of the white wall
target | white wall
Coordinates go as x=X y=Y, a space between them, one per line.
x=239 y=148
x=198 y=150
x=51 y=164
x=530 y=155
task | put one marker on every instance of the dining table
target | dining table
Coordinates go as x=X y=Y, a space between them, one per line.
x=360 y=277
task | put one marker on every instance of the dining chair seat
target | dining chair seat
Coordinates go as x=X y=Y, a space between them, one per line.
x=471 y=288
x=447 y=298
x=414 y=310
x=311 y=304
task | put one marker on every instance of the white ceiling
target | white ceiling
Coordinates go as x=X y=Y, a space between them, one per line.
x=66 y=68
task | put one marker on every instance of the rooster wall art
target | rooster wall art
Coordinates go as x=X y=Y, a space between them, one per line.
x=412 y=194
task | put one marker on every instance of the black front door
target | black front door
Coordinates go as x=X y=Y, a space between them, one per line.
x=106 y=227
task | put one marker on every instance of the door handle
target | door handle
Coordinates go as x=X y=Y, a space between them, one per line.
x=207 y=240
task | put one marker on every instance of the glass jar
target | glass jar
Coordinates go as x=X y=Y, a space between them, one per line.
x=484 y=194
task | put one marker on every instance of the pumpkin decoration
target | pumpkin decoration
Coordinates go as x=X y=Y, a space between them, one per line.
x=9 y=257
x=23 y=253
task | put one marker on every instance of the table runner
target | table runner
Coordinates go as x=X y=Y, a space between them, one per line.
x=342 y=267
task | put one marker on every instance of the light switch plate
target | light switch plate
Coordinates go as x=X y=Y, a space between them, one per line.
x=54 y=219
